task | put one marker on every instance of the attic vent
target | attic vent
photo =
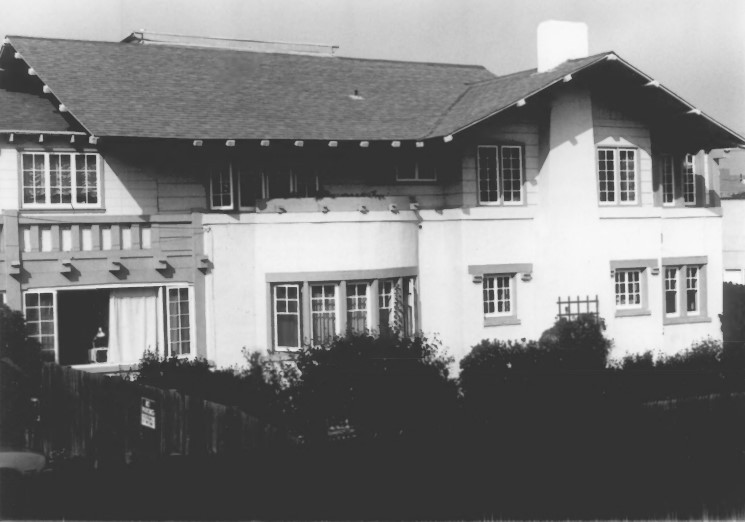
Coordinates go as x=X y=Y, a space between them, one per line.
x=148 y=38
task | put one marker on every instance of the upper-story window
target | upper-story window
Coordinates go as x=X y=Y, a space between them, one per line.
x=259 y=182
x=678 y=180
x=416 y=168
x=617 y=176
x=500 y=174
x=60 y=180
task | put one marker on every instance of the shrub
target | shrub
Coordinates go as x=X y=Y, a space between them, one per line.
x=259 y=388
x=386 y=386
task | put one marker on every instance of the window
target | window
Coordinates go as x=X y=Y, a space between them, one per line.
x=323 y=312
x=500 y=174
x=326 y=314
x=685 y=290
x=689 y=180
x=179 y=324
x=671 y=292
x=357 y=307
x=276 y=182
x=497 y=295
x=628 y=289
x=668 y=180
x=417 y=167
x=60 y=180
x=221 y=187
x=617 y=179
x=287 y=316
x=688 y=302
x=39 y=309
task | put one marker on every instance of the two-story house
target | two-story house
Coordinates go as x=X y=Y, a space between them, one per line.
x=198 y=197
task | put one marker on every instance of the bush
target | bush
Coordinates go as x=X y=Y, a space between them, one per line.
x=20 y=373
x=386 y=386
x=260 y=388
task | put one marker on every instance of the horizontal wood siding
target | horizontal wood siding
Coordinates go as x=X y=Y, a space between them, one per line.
x=613 y=127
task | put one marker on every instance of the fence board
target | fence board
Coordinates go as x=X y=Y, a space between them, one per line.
x=98 y=417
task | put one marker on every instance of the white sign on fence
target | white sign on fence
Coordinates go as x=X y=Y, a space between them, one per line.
x=147 y=413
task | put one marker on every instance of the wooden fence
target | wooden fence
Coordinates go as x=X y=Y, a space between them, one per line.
x=103 y=419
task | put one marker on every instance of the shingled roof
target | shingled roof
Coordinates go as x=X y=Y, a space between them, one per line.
x=22 y=112
x=183 y=92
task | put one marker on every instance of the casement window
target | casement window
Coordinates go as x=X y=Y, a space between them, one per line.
x=315 y=310
x=357 y=307
x=498 y=295
x=257 y=183
x=179 y=321
x=668 y=180
x=113 y=324
x=689 y=180
x=41 y=322
x=685 y=290
x=418 y=167
x=617 y=176
x=628 y=289
x=221 y=187
x=631 y=285
x=500 y=174
x=287 y=316
x=323 y=309
x=60 y=180
x=679 y=180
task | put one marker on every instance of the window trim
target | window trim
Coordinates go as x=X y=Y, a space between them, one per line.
x=500 y=175
x=645 y=267
x=216 y=168
x=616 y=176
x=300 y=315
x=481 y=272
x=681 y=264
x=684 y=179
x=73 y=205
x=671 y=158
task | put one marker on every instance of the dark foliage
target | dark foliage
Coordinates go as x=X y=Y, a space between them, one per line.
x=20 y=368
x=259 y=388
x=386 y=386
x=733 y=323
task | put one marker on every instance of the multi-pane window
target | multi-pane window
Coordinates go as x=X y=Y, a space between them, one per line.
x=628 y=289
x=500 y=174
x=689 y=180
x=671 y=291
x=357 y=307
x=617 y=177
x=692 y=290
x=287 y=316
x=323 y=312
x=179 y=322
x=387 y=304
x=416 y=168
x=498 y=297
x=276 y=182
x=40 y=321
x=68 y=180
x=221 y=187
x=684 y=294
x=668 y=180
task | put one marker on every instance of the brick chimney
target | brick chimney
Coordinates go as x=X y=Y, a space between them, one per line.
x=559 y=41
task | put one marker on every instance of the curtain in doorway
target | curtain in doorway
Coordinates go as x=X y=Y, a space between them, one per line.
x=133 y=323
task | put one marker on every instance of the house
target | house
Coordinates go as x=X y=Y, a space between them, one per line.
x=731 y=164
x=198 y=197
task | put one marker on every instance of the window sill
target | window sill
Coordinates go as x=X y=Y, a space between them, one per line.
x=633 y=313
x=688 y=319
x=61 y=210
x=501 y=321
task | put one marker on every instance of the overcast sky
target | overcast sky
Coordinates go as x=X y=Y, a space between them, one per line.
x=694 y=47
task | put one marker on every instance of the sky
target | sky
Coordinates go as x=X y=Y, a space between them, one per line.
x=694 y=47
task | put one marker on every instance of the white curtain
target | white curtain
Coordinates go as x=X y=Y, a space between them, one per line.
x=133 y=323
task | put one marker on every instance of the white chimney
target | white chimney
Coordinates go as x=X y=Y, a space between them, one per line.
x=559 y=41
